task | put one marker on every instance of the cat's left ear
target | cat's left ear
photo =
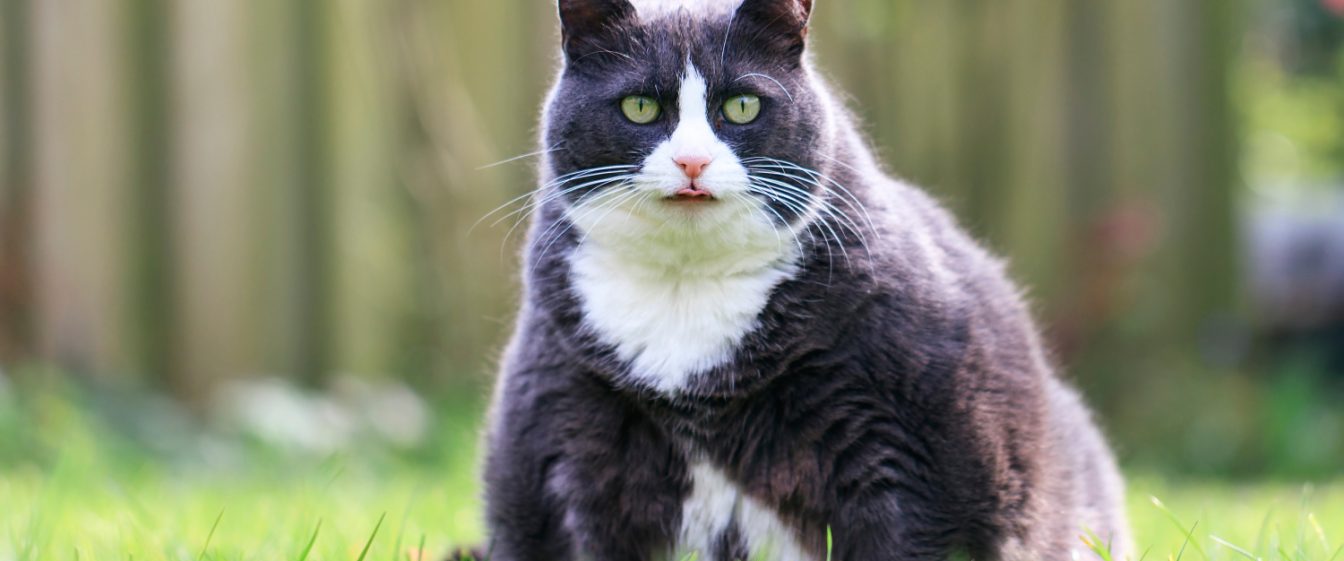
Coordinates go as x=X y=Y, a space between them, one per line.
x=582 y=21
x=783 y=21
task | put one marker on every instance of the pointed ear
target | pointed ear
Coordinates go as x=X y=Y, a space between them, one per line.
x=583 y=20
x=783 y=23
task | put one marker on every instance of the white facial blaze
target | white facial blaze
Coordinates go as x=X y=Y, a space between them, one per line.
x=693 y=135
x=674 y=287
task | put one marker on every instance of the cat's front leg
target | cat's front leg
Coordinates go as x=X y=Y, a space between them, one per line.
x=525 y=514
x=887 y=527
x=622 y=481
x=525 y=518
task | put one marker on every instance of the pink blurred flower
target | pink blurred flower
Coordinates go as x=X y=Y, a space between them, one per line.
x=1336 y=6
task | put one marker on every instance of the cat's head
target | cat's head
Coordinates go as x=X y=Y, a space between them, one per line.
x=686 y=116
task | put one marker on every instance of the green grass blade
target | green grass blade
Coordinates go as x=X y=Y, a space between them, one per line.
x=830 y=543
x=419 y=550
x=368 y=544
x=1234 y=547
x=1320 y=533
x=1175 y=521
x=1264 y=531
x=211 y=536
x=1096 y=545
x=1303 y=509
x=1181 y=553
x=313 y=540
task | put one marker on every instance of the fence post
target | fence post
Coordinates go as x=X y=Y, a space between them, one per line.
x=153 y=282
x=17 y=331
x=312 y=278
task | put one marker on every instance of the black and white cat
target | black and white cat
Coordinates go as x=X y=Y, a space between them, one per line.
x=738 y=334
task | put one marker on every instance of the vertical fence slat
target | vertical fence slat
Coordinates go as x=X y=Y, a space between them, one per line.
x=313 y=277
x=153 y=279
x=17 y=332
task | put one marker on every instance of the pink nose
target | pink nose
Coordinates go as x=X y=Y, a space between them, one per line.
x=693 y=164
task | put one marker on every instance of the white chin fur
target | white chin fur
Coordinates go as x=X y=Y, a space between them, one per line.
x=674 y=286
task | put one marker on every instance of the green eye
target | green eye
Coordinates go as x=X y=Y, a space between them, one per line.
x=742 y=109
x=640 y=109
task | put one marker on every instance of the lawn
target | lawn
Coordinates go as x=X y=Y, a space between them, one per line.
x=77 y=482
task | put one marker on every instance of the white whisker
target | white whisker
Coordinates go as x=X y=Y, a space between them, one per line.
x=848 y=222
x=555 y=195
x=611 y=208
x=557 y=181
x=557 y=148
x=850 y=194
x=784 y=223
x=787 y=93
x=522 y=212
x=612 y=201
x=824 y=223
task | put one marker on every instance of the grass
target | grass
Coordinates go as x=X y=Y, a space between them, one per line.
x=73 y=486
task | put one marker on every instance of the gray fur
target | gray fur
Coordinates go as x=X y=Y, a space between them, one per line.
x=895 y=389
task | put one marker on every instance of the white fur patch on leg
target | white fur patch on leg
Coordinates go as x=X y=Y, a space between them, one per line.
x=714 y=503
x=707 y=512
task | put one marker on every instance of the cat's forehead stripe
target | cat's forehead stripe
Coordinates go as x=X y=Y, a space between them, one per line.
x=653 y=9
x=692 y=95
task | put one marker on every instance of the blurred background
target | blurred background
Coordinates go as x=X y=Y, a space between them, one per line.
x=263 y=210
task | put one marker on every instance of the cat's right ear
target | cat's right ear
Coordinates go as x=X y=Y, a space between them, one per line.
x=582 y=21
x=782 y=24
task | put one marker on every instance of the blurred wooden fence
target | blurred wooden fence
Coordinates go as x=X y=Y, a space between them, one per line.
x=195 y=190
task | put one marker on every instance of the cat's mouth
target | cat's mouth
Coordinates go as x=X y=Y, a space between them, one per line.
x=691 y=194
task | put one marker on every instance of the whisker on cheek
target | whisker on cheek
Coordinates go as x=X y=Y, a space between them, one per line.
x=558 y=181
x=825 y=182
x=797 y=198
x=611 y=207
x=569 y=223
x=523 y=214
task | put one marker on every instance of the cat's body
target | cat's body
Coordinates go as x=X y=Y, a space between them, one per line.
x=729 y=355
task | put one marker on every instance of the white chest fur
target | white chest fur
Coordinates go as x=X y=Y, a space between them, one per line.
x=715 y=503
x=669 y=326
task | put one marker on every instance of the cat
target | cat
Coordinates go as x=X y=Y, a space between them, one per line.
x=740 y=339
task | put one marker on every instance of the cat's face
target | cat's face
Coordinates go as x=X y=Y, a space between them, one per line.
x=690 y=115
